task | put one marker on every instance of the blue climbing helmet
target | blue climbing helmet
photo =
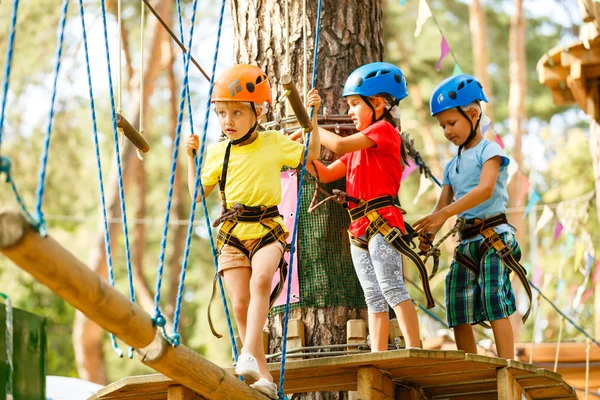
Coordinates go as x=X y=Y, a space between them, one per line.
x=375 y=78
x=455 y=92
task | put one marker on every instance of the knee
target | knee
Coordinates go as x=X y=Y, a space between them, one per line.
x=260 y=281
x=376 y=301
x=240 y=306
x=394 y=291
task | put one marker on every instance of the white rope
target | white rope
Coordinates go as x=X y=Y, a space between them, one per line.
x=560 y=330
x=305 y=44
x=535 y=317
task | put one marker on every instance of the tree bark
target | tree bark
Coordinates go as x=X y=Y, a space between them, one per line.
x=87 y=336
x=351 y=35
x=478 y=25
x=517 y=120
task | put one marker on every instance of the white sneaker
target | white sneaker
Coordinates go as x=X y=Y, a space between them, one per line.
x=266 y=387
x=247 y=367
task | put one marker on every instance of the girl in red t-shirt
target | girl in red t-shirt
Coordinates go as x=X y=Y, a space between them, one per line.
x=372 y=164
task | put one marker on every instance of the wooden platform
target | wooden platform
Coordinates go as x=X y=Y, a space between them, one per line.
x=399 y=374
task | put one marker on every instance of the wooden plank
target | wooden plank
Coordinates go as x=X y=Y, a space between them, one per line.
x=562 y=97
x=346 y=382
x=547 y=73
x=450 y=377
x=485 y=395
x=579 y=53
x=178 y=392
x=508 y=387
x=550 y=392
x=463 y=387
x=144 y=384
x=517 y=368
x=569 y=352
x=372 y=384
x=407 y=393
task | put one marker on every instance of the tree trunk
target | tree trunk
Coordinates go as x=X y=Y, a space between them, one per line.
x=479 y=37
x=87 y=336
x=516 y=106
x=351 y=36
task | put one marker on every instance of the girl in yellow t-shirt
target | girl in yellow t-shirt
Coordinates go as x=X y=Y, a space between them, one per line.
x=251 y=239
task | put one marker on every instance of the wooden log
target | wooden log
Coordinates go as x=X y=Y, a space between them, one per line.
x=132 y=134
x=372 y=384
x=295 y=334
x=68 y=277
x=178 y=392
x=508 y=387
x=296 y=102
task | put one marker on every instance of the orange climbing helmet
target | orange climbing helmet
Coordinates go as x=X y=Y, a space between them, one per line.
x=242 y=82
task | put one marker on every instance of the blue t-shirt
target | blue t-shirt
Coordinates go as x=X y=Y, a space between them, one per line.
x=470 y=165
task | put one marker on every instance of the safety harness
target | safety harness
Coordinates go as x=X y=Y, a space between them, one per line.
x=242 y=213
x=492 y=241
x=401 y=242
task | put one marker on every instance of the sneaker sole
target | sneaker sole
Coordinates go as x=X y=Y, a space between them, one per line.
x=248 y=374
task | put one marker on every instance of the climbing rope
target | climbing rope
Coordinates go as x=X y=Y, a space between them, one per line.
x=46 y=148
x=560 y=331
x=8 y=63
x=8 y=340
x=119 y=172
x=297 y=213
x=158 y=318
x=5 y=166
x=107 y=247
x=535 y=318
x=198 y=188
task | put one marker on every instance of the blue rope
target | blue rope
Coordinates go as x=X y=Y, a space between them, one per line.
x=5 y=168
x=296 y=215
x=119 y=169
x=107 y=248
x=9 y=53
x=198 y=187
x=158 y=318
x=44 y=162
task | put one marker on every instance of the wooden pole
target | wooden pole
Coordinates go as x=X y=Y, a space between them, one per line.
x=55 y=267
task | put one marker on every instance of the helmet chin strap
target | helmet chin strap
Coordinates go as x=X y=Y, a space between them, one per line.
x=368 y=102
x=248 y=134
x=471 y=134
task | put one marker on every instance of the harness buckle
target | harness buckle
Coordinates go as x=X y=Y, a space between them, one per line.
x=393 y=234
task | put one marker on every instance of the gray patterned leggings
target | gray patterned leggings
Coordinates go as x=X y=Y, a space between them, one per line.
x=380 y=274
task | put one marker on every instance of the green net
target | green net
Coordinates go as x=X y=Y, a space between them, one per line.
x=325 y=272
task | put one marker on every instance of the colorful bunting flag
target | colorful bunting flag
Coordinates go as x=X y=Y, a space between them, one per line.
x=596 y=273
x=409 y=169
x=533 y=200
x=457 y=70
x=423 y=14
x=524 y=189
x=498 y=140
x=557 y=230
x=424 y=185
x=586 y=296
x=513 y=167
x=445 y=50
x=402 y=2
x=546 y=216
x=568 y=245
x=537 y=276
x=579 y=248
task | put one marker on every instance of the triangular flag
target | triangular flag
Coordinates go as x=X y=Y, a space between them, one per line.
x=513 y=167
x=498 y=140
x=537 y=276
x=457 y=70
x=402 y=2
x=586 y=296
x=568 y=245
x=408 y=169
x=596 y=273
x=557 y=230
x=533 y=200
x=445 y=49
x=546 y=216
x=578 y=296
x=524 y=189
x=424 y=13
x=559 y=288
x=579 y=254
x=424 y=185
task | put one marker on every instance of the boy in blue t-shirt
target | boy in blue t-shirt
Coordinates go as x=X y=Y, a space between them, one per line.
x=478 y=285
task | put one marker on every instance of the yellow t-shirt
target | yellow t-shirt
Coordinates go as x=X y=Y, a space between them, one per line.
x=253 y=174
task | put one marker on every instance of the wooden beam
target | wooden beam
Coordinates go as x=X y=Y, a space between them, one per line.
x=374 y=385
x=562 y=97
x=63 y=273
x=179 y=392
x=508 y=387
x=580 y=54
x=547 y=74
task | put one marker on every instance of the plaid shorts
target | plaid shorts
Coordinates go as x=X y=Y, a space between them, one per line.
x=472 y=298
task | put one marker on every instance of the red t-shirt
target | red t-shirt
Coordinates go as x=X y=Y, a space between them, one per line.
x=375 y=172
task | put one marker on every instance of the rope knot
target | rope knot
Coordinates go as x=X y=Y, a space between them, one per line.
x=5 y=167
